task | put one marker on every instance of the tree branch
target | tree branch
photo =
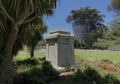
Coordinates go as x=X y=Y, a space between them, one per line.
x=36 y=16
x=6 y=13
x=22 y=21
x=31 y=19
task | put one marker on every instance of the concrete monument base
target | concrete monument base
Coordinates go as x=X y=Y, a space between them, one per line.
x=60 y=50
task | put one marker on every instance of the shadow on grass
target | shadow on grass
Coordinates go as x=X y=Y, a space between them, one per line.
x=37 y=75
x=29 y=61
x=42 y=72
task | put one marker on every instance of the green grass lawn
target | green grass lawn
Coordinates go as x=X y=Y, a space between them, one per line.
x=23 y=61
x=84 y=57
x=94 y=58
x=114 y=56
x=22 y=55
x=92 y=54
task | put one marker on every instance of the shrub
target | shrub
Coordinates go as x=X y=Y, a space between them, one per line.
x=35 y=76
x=88 y=76
x=73 y=68
x=20 y=78
x=42 y=75
x=91 y=76
x=49 y=71
x=114 y=48
x=102 y=44
x=110 y=79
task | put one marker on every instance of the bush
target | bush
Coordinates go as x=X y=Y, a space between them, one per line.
x=49 y=71
x=34 y=71
x=110 y=79
x=35 y=76
x=102 y=44
x=91 y=76
x=87 y=76
x=20 y=78
x=42 y=75
x=114 y=48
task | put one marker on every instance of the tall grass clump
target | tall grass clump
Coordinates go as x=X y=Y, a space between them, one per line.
x=92 y=76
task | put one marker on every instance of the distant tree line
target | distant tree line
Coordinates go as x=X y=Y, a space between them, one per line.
x=90 y=31
x=111 y=39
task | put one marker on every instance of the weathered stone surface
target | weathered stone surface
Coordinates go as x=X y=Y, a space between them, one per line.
x=60 y=50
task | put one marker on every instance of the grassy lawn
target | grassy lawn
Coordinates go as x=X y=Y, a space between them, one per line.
x=25 y=55
x=23 y=62
x=84 y=54
x=105 y=62
x=102 y=60
x=114 y=56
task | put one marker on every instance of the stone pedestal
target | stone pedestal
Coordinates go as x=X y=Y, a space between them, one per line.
x=60 y=50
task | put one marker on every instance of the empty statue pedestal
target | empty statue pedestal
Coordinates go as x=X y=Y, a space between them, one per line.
x=60 y=50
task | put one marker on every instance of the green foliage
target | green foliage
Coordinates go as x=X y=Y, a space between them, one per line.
x=25 y=17
x=17 y=46
x=33 y=36
x=76 y=43
x=84 y=15
x=114 y=5
x=91 y=76
x=111 y=40
x=73 y=68
x=42 y=75
x=111 y=79
x=27 y=62
x=35 y=76
x=117 y=64
x=33 y=71
x=33 y=68
x=102 y=44
x=92 y=19
x=88 y=76
x=47 y=69
x=88 y=39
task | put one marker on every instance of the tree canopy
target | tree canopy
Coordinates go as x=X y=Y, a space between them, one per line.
x=15 y=17
x=87 y=16
x=114 y=5
x=92 y=20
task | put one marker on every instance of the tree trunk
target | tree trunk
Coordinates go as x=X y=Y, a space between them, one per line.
x=6 y=75
x=31 y=52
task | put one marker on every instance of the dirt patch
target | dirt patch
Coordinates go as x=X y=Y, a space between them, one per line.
x=107 y=68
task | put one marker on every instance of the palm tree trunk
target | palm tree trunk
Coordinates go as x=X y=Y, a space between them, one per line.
x=31 y=52
x=6 y=75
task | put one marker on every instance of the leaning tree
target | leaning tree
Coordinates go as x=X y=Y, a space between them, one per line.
x=14 y=16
